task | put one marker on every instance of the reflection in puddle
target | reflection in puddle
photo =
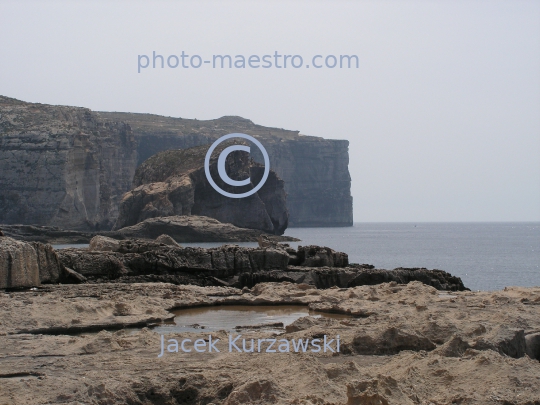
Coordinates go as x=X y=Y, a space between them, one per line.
x=208 y=319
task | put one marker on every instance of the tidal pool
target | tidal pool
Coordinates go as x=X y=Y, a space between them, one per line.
x=230 y=317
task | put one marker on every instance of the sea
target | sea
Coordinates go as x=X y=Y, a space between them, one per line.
x=487 y=256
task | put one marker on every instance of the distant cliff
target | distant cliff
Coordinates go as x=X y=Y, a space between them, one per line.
x=69 y=166
x=174 y=183
x=315 y=170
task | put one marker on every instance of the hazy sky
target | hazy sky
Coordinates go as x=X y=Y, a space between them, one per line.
x=442 y=115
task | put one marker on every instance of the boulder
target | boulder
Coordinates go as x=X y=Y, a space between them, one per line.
x=319 y=256
x=166 y=240
x=19 y=265
x=50 y=269
x=103 y=244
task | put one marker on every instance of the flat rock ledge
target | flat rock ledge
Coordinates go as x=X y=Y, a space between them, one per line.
x=182 y=228
x=24 y=265
x=400 y=345
x=130 y=261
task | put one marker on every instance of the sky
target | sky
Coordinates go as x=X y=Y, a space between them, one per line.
x=442 y=113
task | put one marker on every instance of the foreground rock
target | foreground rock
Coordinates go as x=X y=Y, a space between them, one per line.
x=230 y=265
x=183 y=229
x=404 y=344
x=18 y=264
x=139 y=260
x=174 y=183
x=24 y=265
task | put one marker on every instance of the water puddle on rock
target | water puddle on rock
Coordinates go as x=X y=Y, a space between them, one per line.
x=71 y=245
x=239 y=317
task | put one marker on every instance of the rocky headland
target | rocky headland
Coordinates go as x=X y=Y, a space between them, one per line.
x=315 y=170
x=174 y=183
x=69 y=167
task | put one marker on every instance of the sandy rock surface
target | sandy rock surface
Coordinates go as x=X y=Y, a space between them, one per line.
x=403 y=344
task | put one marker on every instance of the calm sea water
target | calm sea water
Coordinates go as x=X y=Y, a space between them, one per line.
x=487 y=256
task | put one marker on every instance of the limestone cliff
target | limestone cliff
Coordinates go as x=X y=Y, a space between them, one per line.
x=69 y=166
x=315 y=170
x=62 y=166
x=174 y=183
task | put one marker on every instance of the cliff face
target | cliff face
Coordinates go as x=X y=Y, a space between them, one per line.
x=69 y=167
x=62 y=166
x=174 y=183
x=317 y=180
x=315 y=170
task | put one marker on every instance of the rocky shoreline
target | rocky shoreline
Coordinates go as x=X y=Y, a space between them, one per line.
x=141 y=260
x=77 y=165
x=77 y=326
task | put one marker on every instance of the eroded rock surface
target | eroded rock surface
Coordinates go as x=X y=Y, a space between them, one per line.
x=62 y=166
x=142 y=260
x=405 y=344
x=187 y=265
x=183 y=229
x=19 y=264
x=174 y=183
